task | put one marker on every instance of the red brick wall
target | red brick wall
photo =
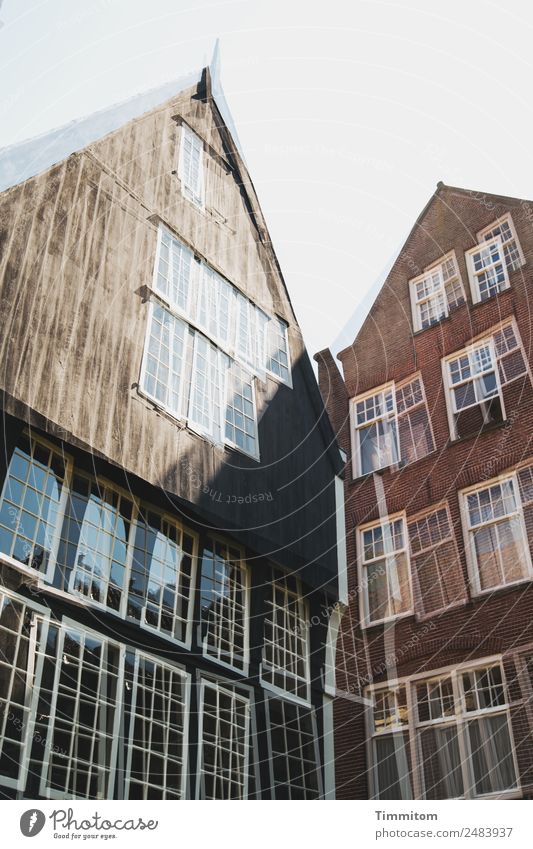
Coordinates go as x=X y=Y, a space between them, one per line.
x=387 y=349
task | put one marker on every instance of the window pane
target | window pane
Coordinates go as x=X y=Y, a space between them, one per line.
x=224 y=604
x=294 y=763
x=491 y=754
x=441 y=763
x=285 y=649
x=224 y=740
x=392 y=770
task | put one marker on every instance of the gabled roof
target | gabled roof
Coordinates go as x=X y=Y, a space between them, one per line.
x=26 y=159
x=439 y=193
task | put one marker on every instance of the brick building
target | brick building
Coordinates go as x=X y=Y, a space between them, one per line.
x=434 y=411
x=169 y=479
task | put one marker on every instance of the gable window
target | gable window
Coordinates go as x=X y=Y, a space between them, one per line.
x=175 y=270
x=436 y=567
x=224 y=604
x=294 y=761
x=385 y=573
x=191 y=166
x=436 y=292
x=241 y=419
x=164 y=359
x=208 y=381
x=487 y=269
x=504 y=229
x=498 y=551
x=224 y=743
x=391 y=426
x=458 y=731
x=474 y=379
x=285 y=664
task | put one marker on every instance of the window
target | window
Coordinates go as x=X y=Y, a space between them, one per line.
x=155 y=739
x=251 y=332
x=504 y=229
x=390 y=744
x=385 y=574
x=391 y=426
x=83 y=728
x=475 y=377
x=460 y=728
x=31 y=503
x=109 y=549
x=206 y=402
x=241 y=420
x=164 y=360
x=285 y=665
x=161 y=583
x=224 y=604
x=487 y=269
x=175 y=271
x=294 y=757
x=224 y=742
x=436 y=292
x=99 y=517
x=191 y=166
x=435 y=564
x=21 y=625
x=496 y=534
x=215 y=306
x=278 y=350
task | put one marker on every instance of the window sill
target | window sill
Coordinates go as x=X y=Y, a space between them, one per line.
x=481 y=594
x=365 y=626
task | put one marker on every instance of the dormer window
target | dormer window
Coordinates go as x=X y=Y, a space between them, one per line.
x=490 y=262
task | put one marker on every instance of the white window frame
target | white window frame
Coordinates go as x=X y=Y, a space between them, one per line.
x=460 y=719
x=473 y=274
x=196 y=195
x=484 y=341
x=269 y=669
x=471 y=559
x=390 y=417
x=286 y=705
x=507 y=218
x=215 y=657
x=432 y=271
x=41 y=615
x=366 y=622
x=178 y=414
x=63 y=627
x=128 y=744
x=284 y=327
x=189 y=310
x=230 y=377
x=433 y=547
x=234 y=694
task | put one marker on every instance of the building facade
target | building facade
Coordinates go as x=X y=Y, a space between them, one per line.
x=434 y=412
x=169 y=479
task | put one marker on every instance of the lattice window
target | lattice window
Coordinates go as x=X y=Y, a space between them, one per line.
x=216 y=306
x=277 y=361
x=30 y=506
x=436 y=292
x=21 y=624
x=161 y=583
x=414 y=426
x=295 y=763
x=155 y=738
x=224 y=742
x=504 y=229
x=191 y=166
x=164 y=359
x=251 y=334
x=285 y=663
x=224 y=604
x=83 y=727
x=385 y=571
x=435 y=562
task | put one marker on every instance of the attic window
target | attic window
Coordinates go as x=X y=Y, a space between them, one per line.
x=191 y=167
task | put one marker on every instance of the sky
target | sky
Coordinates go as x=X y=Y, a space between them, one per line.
x=348 y=113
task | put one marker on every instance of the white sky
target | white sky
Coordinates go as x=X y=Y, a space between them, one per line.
x=348 y=112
